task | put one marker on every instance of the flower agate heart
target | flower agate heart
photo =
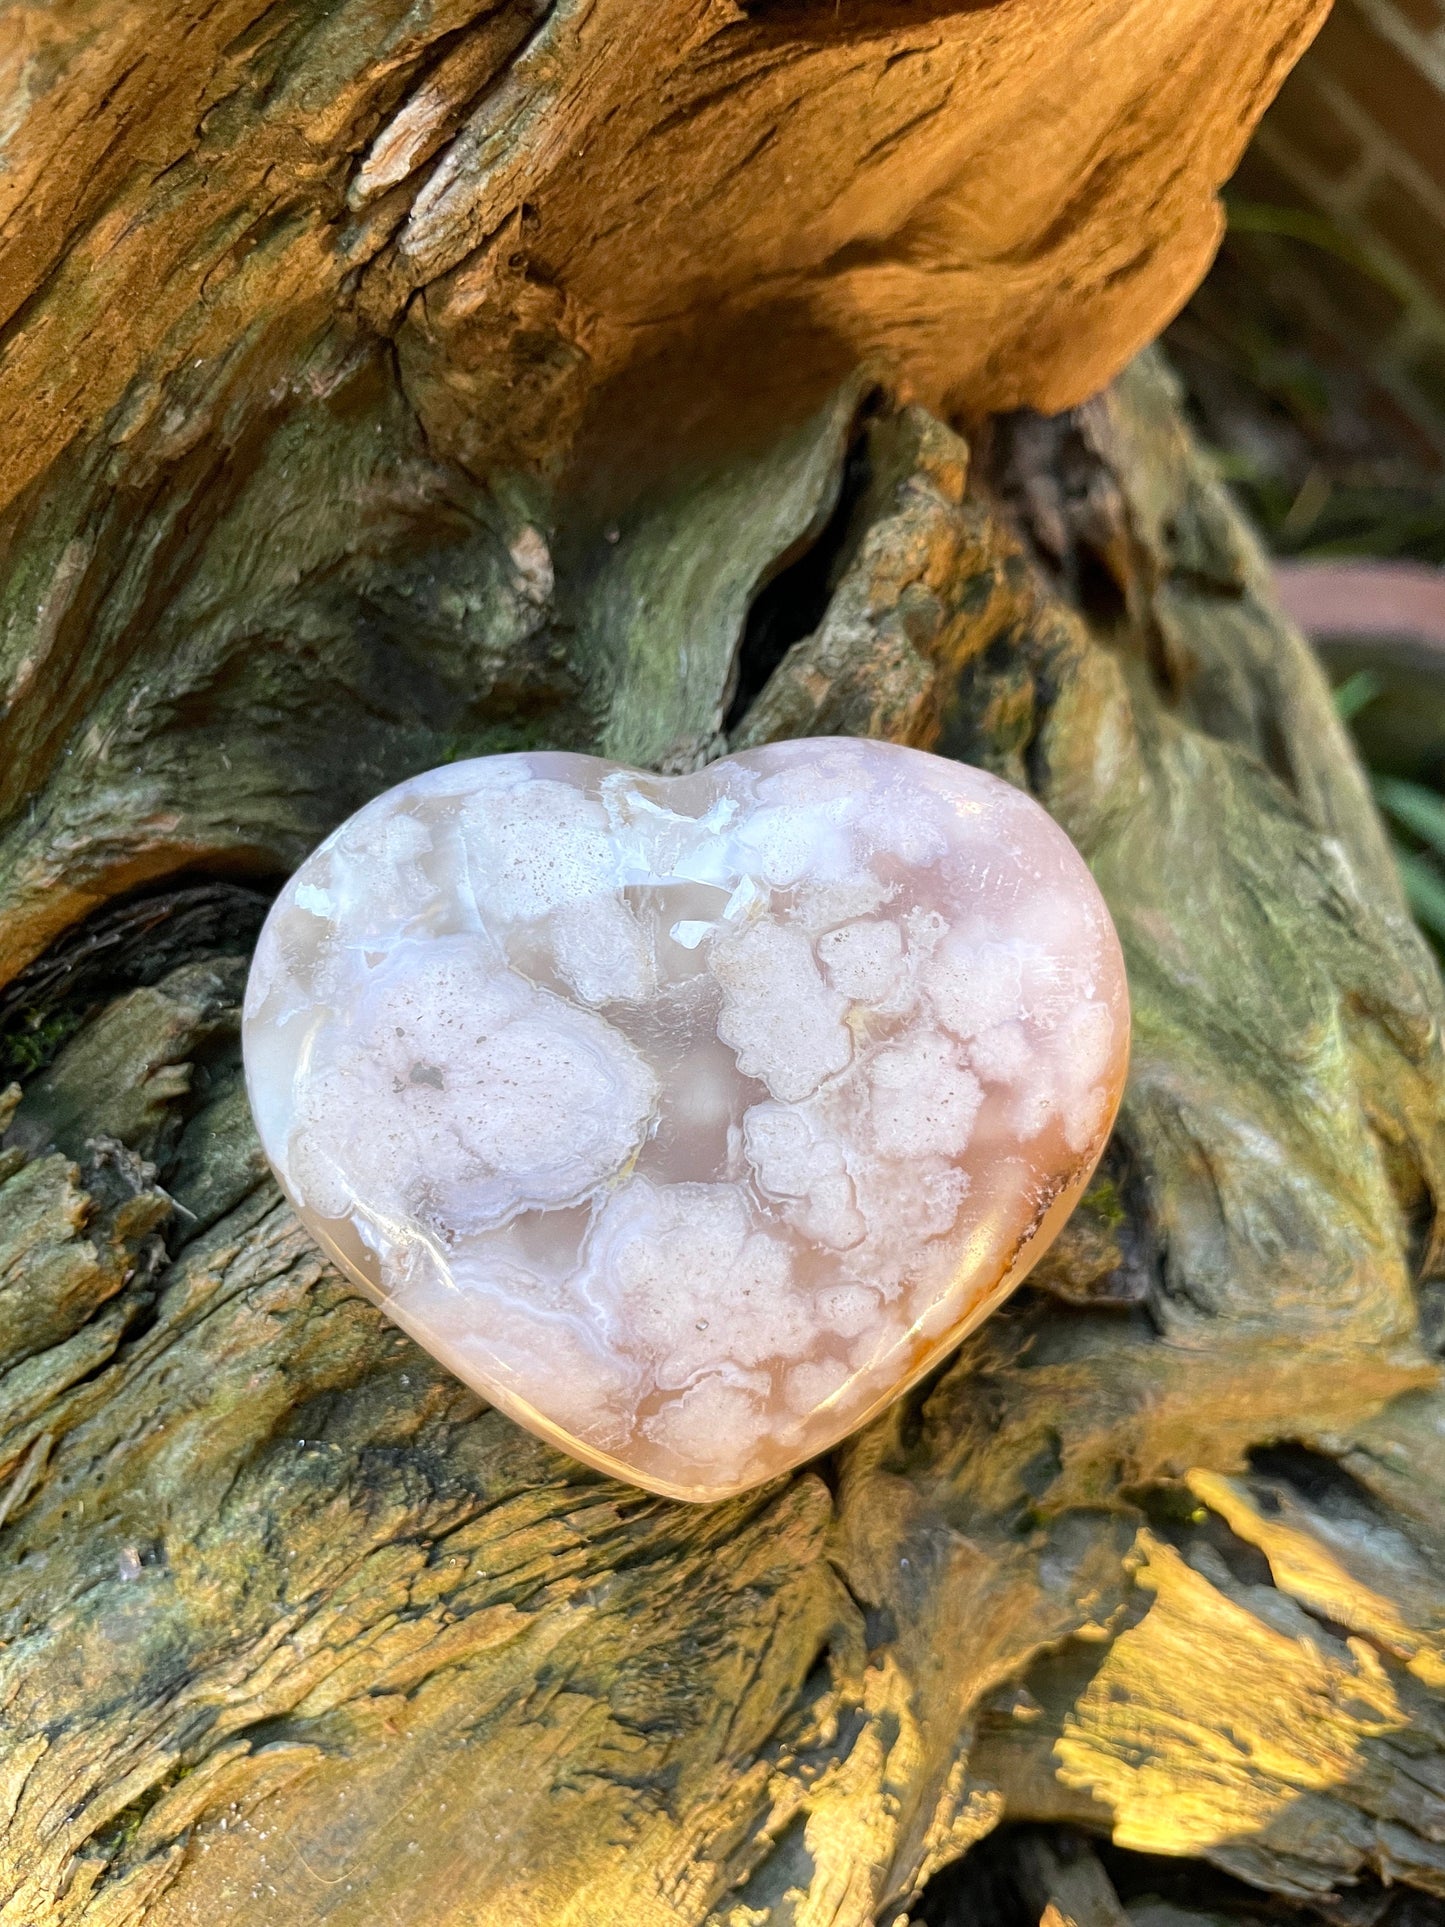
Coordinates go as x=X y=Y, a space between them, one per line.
x=689 y=1119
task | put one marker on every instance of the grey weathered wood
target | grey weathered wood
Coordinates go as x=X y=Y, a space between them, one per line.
x=269 y=1567
x=338 y=351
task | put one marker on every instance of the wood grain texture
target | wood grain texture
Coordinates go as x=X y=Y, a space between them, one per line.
x=999 y=198
x=296 y=1629
x=383 y=383
x=301 y=301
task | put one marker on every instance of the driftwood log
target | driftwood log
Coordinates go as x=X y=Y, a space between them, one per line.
x=382 y=383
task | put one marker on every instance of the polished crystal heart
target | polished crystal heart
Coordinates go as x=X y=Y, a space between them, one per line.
x=689 y=1119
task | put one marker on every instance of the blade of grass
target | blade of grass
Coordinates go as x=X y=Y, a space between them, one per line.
x=1301 y=224
x=1421 y=811
x=1425 y=889
x=1355 y=692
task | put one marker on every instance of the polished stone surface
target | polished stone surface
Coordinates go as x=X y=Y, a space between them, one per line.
x=689 y=1119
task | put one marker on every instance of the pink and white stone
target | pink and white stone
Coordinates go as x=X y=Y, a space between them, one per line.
x=689 y=1119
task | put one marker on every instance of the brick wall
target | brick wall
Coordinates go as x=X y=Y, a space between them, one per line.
x=1339 y=209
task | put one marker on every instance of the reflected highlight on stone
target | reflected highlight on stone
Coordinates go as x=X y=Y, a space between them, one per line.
x=689 y=1119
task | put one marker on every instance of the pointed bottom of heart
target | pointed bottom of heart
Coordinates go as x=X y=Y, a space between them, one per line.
x=746 y=1455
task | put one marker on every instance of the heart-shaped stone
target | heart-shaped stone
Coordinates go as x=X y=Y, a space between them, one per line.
x=689 y=1119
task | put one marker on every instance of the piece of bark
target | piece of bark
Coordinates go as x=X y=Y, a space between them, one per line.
x=1000 y=200
x=296 y=1629
x=323 y=326
x=395 y=380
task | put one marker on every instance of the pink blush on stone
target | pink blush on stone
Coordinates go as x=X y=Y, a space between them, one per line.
x=689 y=1119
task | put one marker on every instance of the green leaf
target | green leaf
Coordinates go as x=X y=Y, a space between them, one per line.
x=1425 y=888
x=1420 y=810
x=1301 y=224
x=1356 y=691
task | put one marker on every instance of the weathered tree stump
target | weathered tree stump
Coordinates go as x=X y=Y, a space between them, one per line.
x=384 y=384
